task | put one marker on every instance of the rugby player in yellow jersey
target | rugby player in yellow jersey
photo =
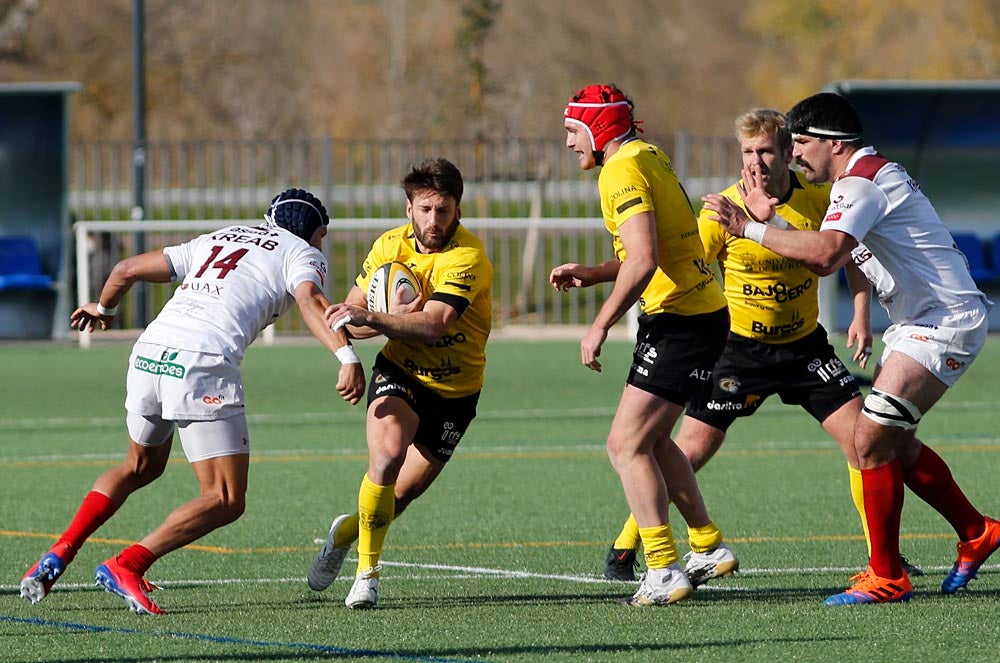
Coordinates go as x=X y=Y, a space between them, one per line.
x=427 y=378
x=659 y=262
x=776 y=344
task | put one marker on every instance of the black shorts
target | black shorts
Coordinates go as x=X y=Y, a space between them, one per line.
x=443 y=421
x=674 y=354
x=805 y=372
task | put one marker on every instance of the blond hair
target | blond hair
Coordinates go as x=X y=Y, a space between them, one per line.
x=764 y=121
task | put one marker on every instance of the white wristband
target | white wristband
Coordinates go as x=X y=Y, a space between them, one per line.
x=754 y=231
x=106 y=311
x=347 y=355
x=778 y=222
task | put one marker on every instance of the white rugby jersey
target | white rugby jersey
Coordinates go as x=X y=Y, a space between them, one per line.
x=236 y=281
x=917 y=267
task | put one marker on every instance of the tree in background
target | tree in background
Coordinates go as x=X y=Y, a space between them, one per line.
x=429 y=69
x=825 y=40
x=478 y=19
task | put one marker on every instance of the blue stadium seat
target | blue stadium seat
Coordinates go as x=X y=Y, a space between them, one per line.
x=975 y=252
x=994 y=254
x=21 y=265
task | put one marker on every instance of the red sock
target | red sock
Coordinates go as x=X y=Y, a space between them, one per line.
x=883 y=489
x=931 y=480
x=94 y=511
x=136 y=558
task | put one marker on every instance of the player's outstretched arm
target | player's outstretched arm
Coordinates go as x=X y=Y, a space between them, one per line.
x=351 y=378
x=822 y=251
x=151 y=267
x=573 y=275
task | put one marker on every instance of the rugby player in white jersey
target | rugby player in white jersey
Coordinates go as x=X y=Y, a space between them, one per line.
x=939 y=326
x=184 y=376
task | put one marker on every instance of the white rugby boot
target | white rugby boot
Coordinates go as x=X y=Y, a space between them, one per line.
x=661 y=587
x=718 y=562
x=364 y=591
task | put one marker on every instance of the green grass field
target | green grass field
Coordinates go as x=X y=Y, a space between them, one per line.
x=502 y=559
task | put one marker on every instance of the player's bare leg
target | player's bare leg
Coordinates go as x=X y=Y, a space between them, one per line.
x=637 y=428
x=141 y=466
x=419 y=471
x=709 y=557
x=699 y=441
x=223 y=482
x=223 y=485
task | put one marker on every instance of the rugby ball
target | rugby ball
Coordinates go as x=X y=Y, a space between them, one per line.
x=386 y=280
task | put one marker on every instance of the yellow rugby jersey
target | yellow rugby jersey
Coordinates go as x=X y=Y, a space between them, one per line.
x=771 y=298
x=639 y=178
x=461 y=275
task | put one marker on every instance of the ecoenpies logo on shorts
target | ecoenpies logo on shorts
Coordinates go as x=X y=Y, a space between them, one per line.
x=162 y=366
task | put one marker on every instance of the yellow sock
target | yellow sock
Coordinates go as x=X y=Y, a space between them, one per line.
x=658 y=543
x=376 y=505
x=628 y=539
x=347 y=533
x=858 y=495
x=704 y=539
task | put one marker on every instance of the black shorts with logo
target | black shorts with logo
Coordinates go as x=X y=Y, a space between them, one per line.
x=443 y=421
x=674 y=354
x=805 y=372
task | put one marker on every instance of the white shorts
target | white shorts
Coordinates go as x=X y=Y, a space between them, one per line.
x=201 y=440
x=944 y=342
x=181 y=385
x=199 y=394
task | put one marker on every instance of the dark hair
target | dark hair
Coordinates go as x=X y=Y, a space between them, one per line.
x=826 y=115
x=438 y=175
x=297 y=211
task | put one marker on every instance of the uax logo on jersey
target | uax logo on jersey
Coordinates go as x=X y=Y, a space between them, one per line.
x=833 y=217
x=160 y=367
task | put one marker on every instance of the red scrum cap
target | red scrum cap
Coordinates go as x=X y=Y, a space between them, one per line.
x=604 y=111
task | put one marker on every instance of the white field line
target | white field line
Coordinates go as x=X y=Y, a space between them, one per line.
x=48 y=423
x=529 y=447
x=300 y=417
x=532 y=447
x=453 y=572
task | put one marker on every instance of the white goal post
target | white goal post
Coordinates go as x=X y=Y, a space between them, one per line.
x=523 y=250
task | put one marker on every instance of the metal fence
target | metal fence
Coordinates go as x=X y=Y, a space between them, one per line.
x=359 y=178
x=528 y=199
x=522 y=250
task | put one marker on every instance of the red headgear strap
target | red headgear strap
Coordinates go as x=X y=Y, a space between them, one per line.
x=603 y=111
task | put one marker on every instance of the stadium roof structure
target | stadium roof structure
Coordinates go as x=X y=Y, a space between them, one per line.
x=947 y=135
x=36 y=87
x=900 y=85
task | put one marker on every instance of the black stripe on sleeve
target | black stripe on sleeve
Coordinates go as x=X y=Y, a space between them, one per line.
x=454 y=301
x=628 y=203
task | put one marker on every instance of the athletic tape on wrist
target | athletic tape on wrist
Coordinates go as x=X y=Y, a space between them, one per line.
x=778 y=222
x=347 y=355
x=754 y=231
x=106 y=311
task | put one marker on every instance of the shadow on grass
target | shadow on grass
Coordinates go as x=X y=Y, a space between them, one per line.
x=466 y=654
